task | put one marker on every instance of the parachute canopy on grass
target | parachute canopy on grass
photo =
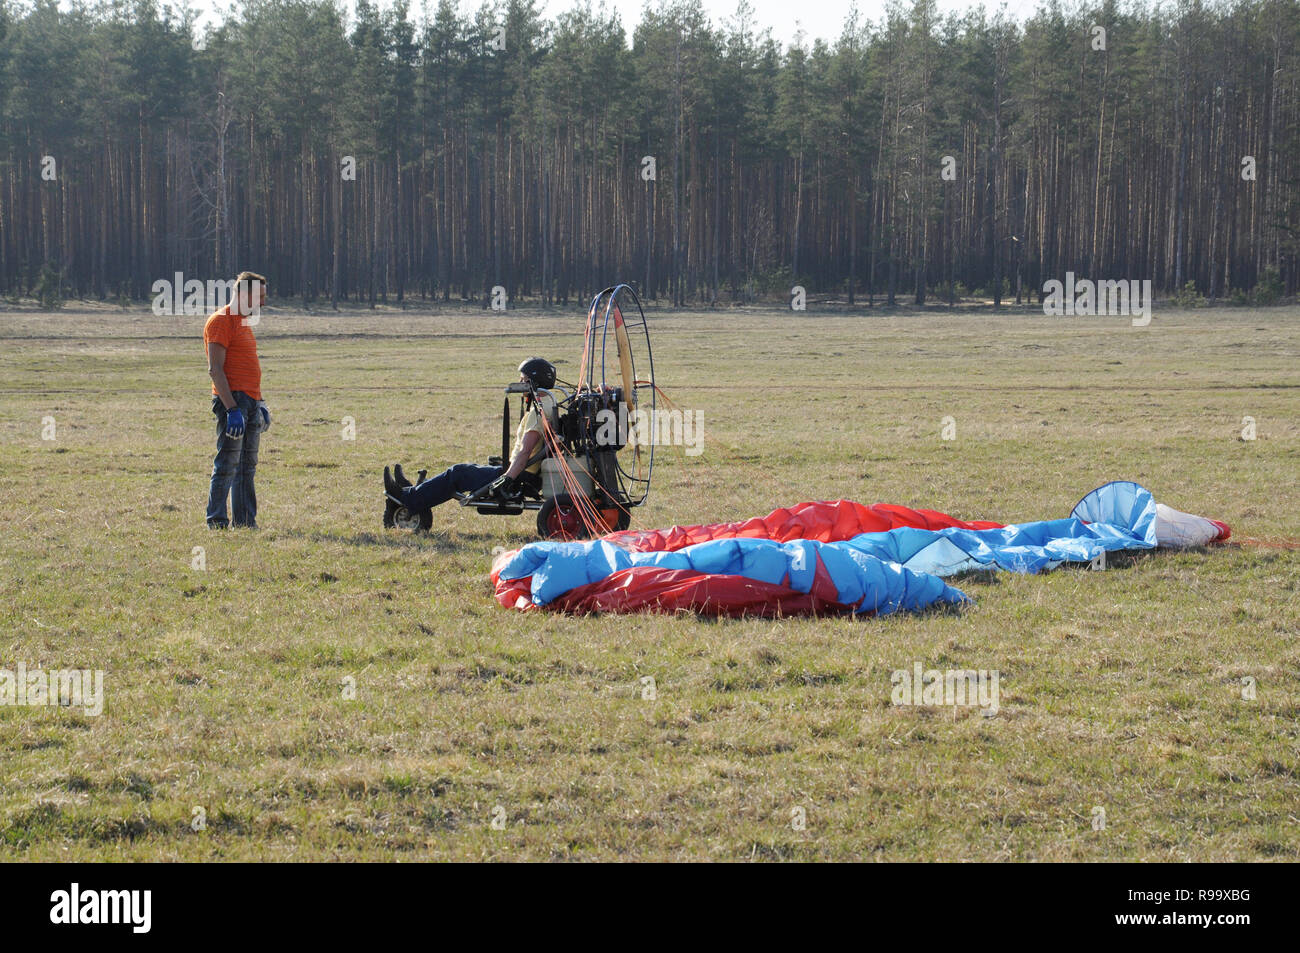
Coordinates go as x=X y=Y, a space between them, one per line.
x=829 y=557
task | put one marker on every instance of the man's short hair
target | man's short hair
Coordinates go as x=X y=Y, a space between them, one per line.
x=245 y=279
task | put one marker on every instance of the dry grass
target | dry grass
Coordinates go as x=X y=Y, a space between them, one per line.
x=1120 y=689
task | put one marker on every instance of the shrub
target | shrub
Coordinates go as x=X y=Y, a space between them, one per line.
x=1188 y=297
x=49 y=288
x=1268 y=289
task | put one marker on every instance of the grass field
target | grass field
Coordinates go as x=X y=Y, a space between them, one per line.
x=1121 y=690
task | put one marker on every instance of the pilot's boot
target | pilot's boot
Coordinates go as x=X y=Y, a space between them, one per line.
x=397 y=503
x=392 y=498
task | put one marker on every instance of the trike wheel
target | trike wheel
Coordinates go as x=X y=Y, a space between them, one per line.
x=559 y=519
x=403 y=517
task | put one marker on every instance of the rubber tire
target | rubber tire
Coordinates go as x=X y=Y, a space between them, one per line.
x=622 y=519
x=426 y=519
x=549 y=506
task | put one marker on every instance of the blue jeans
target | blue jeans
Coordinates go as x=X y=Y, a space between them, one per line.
x=235 y=466
x=462 y=478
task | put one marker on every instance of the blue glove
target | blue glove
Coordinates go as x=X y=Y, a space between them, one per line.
x=265 y=416
x=234 y=423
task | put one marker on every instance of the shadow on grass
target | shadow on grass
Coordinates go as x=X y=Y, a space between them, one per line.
x=1121 y=559
x=984 y=577
x=400 y=539
x=774 y=615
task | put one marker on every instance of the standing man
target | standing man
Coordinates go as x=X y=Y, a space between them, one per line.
x=242 y=417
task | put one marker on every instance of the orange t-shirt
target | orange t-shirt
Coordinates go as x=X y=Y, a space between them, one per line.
x=242 y=368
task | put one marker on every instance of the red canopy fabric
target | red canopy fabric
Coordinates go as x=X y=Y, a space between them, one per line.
x=826 y=522
x=650 y=588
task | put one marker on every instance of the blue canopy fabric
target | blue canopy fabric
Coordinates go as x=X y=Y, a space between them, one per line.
x=861 y=579
x=882 y=572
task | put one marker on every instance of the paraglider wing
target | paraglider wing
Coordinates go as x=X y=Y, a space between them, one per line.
x=828 y=557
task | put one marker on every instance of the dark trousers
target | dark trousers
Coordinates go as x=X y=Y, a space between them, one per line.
x=235 y=466
x=462 y=478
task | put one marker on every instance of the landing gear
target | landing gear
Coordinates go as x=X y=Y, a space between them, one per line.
x=403 y=517
x=559 y=518
x=398 y=515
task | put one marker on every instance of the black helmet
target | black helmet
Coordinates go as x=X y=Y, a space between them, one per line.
x=541 y=372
